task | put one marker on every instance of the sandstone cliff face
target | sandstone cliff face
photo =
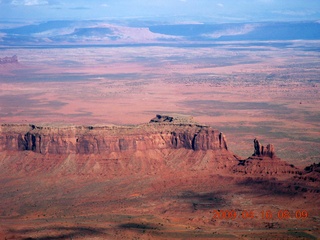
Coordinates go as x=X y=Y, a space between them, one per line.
x=107 y=139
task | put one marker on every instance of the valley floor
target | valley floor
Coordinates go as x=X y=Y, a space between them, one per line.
x=152 y=203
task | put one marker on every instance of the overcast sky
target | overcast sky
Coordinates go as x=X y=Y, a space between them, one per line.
x=172 y=10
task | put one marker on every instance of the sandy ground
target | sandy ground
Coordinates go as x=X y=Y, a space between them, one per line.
x=266 y=92
x=62 y=197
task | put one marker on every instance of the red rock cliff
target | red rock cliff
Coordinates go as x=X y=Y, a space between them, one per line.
x=107 y=139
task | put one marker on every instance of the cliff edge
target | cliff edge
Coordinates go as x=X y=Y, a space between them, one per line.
x=162 y=132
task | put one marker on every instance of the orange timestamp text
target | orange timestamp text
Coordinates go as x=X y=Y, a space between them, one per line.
x=265 y=214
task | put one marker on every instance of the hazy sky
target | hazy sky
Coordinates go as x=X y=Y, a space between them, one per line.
x=168 y=10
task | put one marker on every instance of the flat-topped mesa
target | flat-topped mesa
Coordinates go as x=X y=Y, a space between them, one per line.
x=108 y=139
x=261 y=151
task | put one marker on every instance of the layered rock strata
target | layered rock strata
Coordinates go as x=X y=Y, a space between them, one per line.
x=107 y=139
x=264 y=162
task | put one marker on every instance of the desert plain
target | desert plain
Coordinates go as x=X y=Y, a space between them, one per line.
x=268 y=91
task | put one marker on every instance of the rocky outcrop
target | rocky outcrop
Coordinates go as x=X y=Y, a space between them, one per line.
x=264 y=162
x=223 y=141
x=261 y=151
x=176 y=118
x=310 y=176
x=254 y=166
x=5 y=60
x=108 y=139
x=161 y=118
x=315 y=167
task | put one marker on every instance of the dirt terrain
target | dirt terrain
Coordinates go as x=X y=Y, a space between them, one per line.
x=170 y=189
x=63 y=177
x=265 y=91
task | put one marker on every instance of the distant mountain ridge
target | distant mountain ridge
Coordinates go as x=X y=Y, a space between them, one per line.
x=102 y=32
x=244 y=31
x=6 y=60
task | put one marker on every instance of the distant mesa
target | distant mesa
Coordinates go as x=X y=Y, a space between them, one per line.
x=96 y=32
x=6 y=60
